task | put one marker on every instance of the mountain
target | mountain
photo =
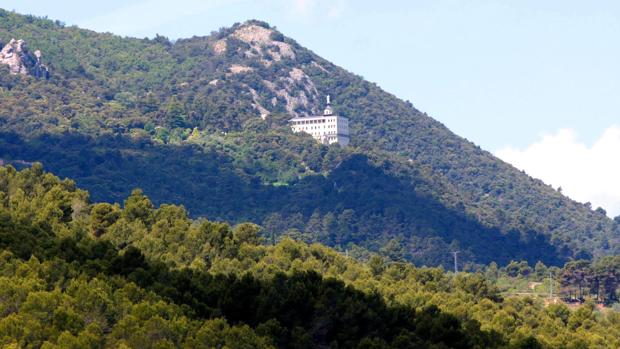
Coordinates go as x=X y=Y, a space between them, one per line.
x=203 y=122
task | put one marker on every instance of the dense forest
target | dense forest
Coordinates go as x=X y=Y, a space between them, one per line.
x=76 y=274
x=182 y=120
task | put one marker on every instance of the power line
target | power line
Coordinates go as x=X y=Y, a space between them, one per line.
x=456 y=269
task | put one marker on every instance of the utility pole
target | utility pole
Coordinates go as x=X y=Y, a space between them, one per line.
x=550 y=285
x=456 y=269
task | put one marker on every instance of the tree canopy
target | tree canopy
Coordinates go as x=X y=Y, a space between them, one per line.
x=93 y=275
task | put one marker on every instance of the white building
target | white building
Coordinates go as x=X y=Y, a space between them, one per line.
x=327 y=128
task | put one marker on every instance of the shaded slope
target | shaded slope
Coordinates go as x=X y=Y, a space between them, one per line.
x=369 y=205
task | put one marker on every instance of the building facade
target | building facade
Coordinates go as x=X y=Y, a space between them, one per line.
x=327 y=128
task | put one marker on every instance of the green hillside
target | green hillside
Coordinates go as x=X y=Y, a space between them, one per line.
x=76 y=274
x=182 y=120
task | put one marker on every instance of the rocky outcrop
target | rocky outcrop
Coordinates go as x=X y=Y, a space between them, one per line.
x=294 y=91
x=20 y=60
x=238 y=69
x=297 y=90
x=261 y=42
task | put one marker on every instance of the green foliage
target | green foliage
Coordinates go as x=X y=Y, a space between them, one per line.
x=102 y=216
x=138 y=208
x=99 y=277
x=600 y=279
x=78 y=291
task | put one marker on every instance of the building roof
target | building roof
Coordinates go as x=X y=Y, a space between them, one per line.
x=313 y=117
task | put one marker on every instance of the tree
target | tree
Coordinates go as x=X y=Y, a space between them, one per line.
x=540 y=269
x=559 y=311
x=138 y=207
x=247 y=233
x=576 y=275
x=175 y=114
x=376 y=264
x=102 y=216
x=346 y=227
x=394 y=250
x=607 y=272
x=518 y=268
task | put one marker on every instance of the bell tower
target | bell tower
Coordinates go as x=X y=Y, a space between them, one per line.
x=328 y=109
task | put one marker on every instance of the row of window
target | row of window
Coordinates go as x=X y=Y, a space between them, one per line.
x=323 y=133
x=315 y=121
x=317 y=127
x=310 y=128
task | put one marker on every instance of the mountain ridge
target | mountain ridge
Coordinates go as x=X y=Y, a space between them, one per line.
x=230 y=94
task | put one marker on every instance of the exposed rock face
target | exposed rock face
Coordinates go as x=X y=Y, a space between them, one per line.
x=288 y=88
x=15 y=54
x=295 y=91
x=220 y=47
x=261 y=44
x=238 y=69
x=259 y=39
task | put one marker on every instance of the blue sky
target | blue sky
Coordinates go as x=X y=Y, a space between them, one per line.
x=511 y=76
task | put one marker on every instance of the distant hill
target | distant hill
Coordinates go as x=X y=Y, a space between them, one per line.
x=202 y=122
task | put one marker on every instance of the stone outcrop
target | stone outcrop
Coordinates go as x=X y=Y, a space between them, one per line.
x=20 y=60
x=261 y=44
x=297 y=90
x=294 y=91
x=260 y=40
x=238 y=69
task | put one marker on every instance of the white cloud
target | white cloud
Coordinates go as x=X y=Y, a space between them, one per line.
x=585 y=173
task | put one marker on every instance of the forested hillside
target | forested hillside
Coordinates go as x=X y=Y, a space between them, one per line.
x=76 y=274
x=202 y=122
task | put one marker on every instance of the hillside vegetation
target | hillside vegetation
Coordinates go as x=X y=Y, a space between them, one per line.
x=75 y=274
x=202 y=122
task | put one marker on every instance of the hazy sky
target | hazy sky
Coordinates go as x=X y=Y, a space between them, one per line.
x=528 y=80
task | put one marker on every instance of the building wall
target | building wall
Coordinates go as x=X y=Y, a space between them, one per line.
x=325 y=129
